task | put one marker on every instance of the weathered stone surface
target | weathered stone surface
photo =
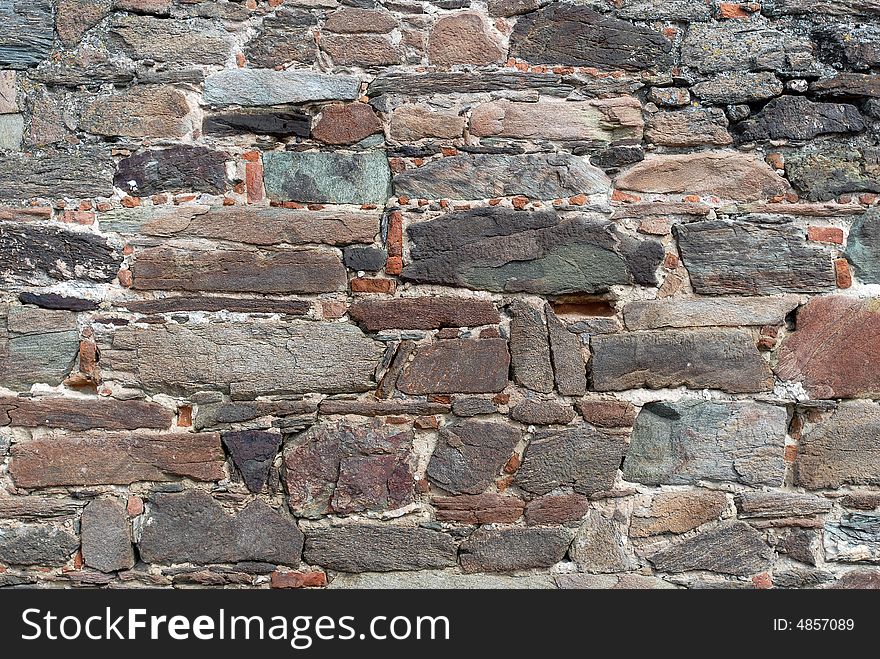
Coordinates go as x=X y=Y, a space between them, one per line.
x=709 y=312
x=847 y=84
x=412 y=122
x=859 y=579
x=606 y=413
x=574 y=35
x=799 y=544
x=487 y=508
x=677 y=512
x=367 y=259
x=253 y=452
x=356 y=20
x=506 y=550
x=343 y=467
x=780 y=504
x=541 y=412
x=463 y=38
x=423 y=313
x=28 y=33
x=227 y=270
x=693 y=440
x=335 y=178
x=610 y=581
x=603 y=120
x=157 y=7
x=537 y=176
x=85 y=413
x=798 y=118
x=374 y=407
x=861 y=500
x=725 y=359
x=426 y=84
x=598 y=545
x=8 y=93
x=179 y=168
x=503 y=250
x=252 y=225
x=834 y=350
x=738 y=87
x=832 y=7
x=211 y=415
x=11 y=131
x=472 y=406
x=116 y=458
x=579 y=457
x=731 y=548
x=854 y=538
x=346 y=124
x=843 y=450
x=530 y=347
x=254 y=87
x=277 y=124
x=462 y=366
x=863 y=247
x=824 y=170
x=728 y=174
x=693 y=127
x=441 y=580
x=379 y=548
x=470 y=454
x=734 y=46
x=175 y=303
x=36 y=346
x=35 y=508
x=148 y=111
x=176 y=42
x=752 y=258
x=556 y=509
x=283 y=38
x=36 y=545
x=234 y=356
x=566 y=354
x=106 y=536
x=670 y=10
x=79 y=174
x=191 y=527
x=370 y=51
x=57 y=302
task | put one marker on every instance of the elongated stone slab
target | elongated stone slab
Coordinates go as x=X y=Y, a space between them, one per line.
x=255 y=87
x=36 y=545
x=84 y=413
x=423 y=313
x=78 y=174
x=327 y=178
x=507 y=550
x=708 y=312
x=279 y=124
x=176 y=42
x=28 y=33
x=732 y=548
x=692 y=440
x=438 y=82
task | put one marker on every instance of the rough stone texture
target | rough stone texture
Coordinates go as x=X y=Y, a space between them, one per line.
x=379 y=548
x=798 y=118
x=84 y=413
x=607 y=413
x=192 y=527
x=780 y=260
x=731 y=548
x=252 y=452
x=855 y=538
x=707 y=312
x=693 y=127
x=833 y=350
x=27 y=33
x=599 y=545
x=461 y=366
x=567 y=357
x=36 y=346
x=441 y=580
x=346 y=124
x=725 y=359
x=284 y=37
x=738 y=87
x=422 y=313
x=470 y=454
x=106 y=536
x=541 y=412
x=678 y=512
x=176 y=169
x=780 y=504
x=36 y=545
x=51 y=174
x=556 y=509
x=683 y=443
x=149 y=38
x=411 y=122
x=462 y=39
x=530 y=348
x=258 y=122
x=148 y=111
x=257 y=87
x=821 y=171
x=506 y=550
x=733 y=46
x=863 y=247
x=478 y=509
x=362 y=178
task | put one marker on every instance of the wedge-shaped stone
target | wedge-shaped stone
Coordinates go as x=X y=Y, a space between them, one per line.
x=463 y=366
x=855 y=538
x=470 y=454
x=507 y=550
x=84 y=413
x=379 y=548
x=78 y=174
x=250 y=358
x=708 y=312
x=191 y=527
x=725 y=359
x=253 y=452
x=116 y=459
x=484 y=176
x=327 y=178
x=254 y=87
x=692 y=440
x=28 y=33
x=731 y=548
x=503 y=250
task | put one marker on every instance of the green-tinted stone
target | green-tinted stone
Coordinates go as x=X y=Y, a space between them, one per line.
x=863 y=247
x=332 y=178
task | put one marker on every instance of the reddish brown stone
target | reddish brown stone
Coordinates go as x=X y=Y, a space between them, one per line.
x=678 y=512
x=367 y=50
x=314 y=579
x=84 y=413
x=346 y=124
x=462 y=366
x=842 y=273
x=411 y=122
x=423 y=313
x=835 y=348
x=605 y=413
x=556 y=509
x=352 y=20
x=479 y=509
x=462 y=39
x=116 y=459
x=832 y=235
x=373 y=285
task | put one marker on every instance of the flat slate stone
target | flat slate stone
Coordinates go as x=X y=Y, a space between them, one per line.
x=36 y=346
x=34 y=508
x=863 y=247
x=181 y=168
x=256 y=87
x=57 y=302
x=502 y=250
x=234 y=357
x=728 y=311
x=463 y=366
x=487 y=508
x=780 y=260
x=726 y=359
x=106 y=536
x=275 y=123
x=441 y=580
x=423 y=313
x=484 y=176
x=77 y=174
x=379 y=548
x=731 y=548
x=175 y=303
x=46 y=546
x=579 y=457
x=253 y=452
x=689 y=441
x=854 y=538
x=470 y=454
x=573 y=35
x=28 y=33
x=798 y=118
x=440 y=82
x=84 y=413
x=769 y=505
x=508 y=550
x=332 y=178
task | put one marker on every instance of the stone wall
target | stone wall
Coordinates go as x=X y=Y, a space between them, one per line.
x=409 y=293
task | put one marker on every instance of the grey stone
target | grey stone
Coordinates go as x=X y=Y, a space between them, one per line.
x=254 y=87
x=483 y=176
x=693 y=440
x=611 y=581
x=798 y=118
x=854 y=46
x=368 y=259
x=47 y=546
x=831 y=7
x=463 y=366
x=733 y=46
x=427 y=84
x=725 y=359
x=106 y=536
x=28 y=33
x=235 y=356
x=854 y=538
x=726 y=311
x=824 y=170
x=258 y=122
x=669 y=10
x=507 y=550
x=11 y=131
x=181 y=168
x=768 y=505
x=863 y=247
x=466 y=407
x=530 y=348
x=176 y=42
x=503 y=250
x=580 y=457
x=35 y=508
x=191 y=527
x=36 y=346
x=470 y=454
x=78 y=174
x=253 y=452
x=541 y=412
x=336 y=178
x=780 y=260
x=730 y=548
x=379 y=548
x=738 y=87
x=844 y=85
x=566 y=353
x=599 y=545
x=441 y=580
x=283 y=38
x=799 y=544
